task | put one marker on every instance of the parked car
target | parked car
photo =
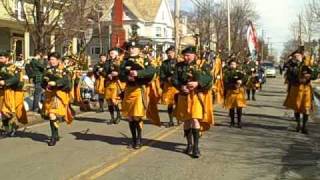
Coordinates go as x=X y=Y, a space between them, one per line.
x=270 y=70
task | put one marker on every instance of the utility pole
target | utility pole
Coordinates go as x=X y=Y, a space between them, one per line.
x=177 y=24
x=262 y=46
x=229 y=29
x=300 y=31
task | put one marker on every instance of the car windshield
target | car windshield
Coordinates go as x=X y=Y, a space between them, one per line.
x=268 y=65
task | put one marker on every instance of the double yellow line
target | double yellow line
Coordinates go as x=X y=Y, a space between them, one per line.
x=104 y=168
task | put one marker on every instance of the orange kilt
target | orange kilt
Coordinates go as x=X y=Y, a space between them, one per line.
x=299 y=98
x=195 y=106
x=168 y=93
x=235 y=99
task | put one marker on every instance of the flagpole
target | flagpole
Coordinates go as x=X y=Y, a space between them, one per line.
x=229 y=28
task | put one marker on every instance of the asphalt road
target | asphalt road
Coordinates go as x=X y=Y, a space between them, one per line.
x=266 y=148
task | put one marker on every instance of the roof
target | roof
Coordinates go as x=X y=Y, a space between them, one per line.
x=146 y=10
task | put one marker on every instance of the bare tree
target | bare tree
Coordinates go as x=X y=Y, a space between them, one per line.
x=43 y=18
x=210 y=17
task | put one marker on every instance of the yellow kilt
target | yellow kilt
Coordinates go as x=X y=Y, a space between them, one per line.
x=168 y=93
x=99 y=85
x=299 y=98
x=12 y=104
x=218 y=90
x=132 y=104
x=8 y=106
x=57 y=102
x=195 y=106
x=235 y=99
x=111 y=91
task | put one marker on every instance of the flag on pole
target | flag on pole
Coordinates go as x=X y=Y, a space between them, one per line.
x=252 y=40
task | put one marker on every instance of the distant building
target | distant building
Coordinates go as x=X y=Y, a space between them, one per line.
x=151 y=19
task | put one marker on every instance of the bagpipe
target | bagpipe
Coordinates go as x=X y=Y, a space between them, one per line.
x=54 y=74
x=133 y=64
x=236 y=78
x=9 y=71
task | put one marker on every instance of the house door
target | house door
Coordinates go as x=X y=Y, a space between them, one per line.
x=18 y=47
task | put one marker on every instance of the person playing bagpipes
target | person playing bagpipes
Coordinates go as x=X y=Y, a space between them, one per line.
x=299 y=74
x=11 y=96
x=193 y=79
x=137 y=72
x=113 y=87
x=169 y=91
x=253 y=82
x=234 y=81
x=57 y=85
x=100 y=80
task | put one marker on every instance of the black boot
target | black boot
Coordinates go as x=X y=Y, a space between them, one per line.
x=188 y=135
x=12 y=130
x=239 y=116
x=101 y=102
x=117 y=121
x=231 y=114
x=170 y=111
x=253 y=94
x=111 y=111
x=297 y=117
x=139 y=135
x=133 y=131
x=304 y=129
x=196 y=136
x=53 y=139
x=5 y=124
x=248 y=94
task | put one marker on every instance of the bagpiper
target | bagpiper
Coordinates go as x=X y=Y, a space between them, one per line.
x=137 y=72
x=57 y=85
x=168 y=90
x=193 y=79
x=112 y=84
x=11 y=95
x=299 y=74
x=234 y=81
x=100 y=80
x=253 y=82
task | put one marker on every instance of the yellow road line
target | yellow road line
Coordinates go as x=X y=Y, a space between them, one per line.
x=123 y=157
x=131 y=155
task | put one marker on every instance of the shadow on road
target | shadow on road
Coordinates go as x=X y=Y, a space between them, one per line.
x=301 y=161
x=123 y=141
x=267 y=116
x=33 y=136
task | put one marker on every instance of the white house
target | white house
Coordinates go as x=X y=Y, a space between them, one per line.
x=152 y=19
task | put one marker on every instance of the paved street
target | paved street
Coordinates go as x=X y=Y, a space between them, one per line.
x=266 y=148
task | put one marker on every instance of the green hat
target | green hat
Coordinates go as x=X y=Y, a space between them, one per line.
x=171 y=48
x=190 y=50
x=300 y=50
x=5 y=53
x=131 y=44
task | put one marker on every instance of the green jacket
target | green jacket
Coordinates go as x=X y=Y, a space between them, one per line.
x=145 y=71
x=58 y=75
x=35 y=70
x=167 y=69
x=185 y=73
x=231 y=76
x=11 y=76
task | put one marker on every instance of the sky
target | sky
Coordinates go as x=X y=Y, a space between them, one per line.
x=275 y=18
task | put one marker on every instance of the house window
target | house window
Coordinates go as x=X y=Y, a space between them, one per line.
x=165 y=32
x=19 y=10
x=95 y=50
x=158 y=32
